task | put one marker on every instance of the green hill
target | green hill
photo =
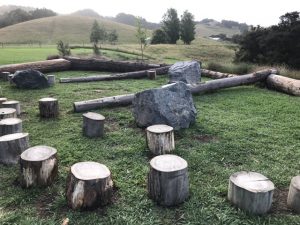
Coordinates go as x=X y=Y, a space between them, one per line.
x=72 y=29
x=205 y=30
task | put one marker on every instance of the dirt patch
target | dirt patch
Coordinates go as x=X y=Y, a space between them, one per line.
x=43 y=204
x=279 y=205
x=111 y=124
x=205 y=138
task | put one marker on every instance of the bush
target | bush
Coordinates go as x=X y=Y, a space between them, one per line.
x=242 y=68
x=159 y=37
x=63 y=48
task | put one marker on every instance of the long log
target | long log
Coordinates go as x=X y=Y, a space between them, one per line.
x=120 y=76
x=215 y=74
x=43 y=66
x=108 y=65
x=284 y=84
x=209 y=86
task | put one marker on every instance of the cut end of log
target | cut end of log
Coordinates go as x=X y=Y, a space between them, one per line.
x=10 y=102
x=47 y=100
x=168 y=163
x=90 y=171
x=94 y=116
x=7 y=113
x=10 y=121
x=10 y=137
x=296 y=182
x=2 y=100
x=38 y=153
x=159 y=128
x=252 y=181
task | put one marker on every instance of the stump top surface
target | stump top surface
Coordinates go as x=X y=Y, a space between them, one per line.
x=296 y=182
x=90 y=171
x=38 y=153
x=50 y=75
x=168 y=163
x=10 y=121
x=11 y=137
x=47 y=100
x=3 y=99
x=7 y=111
x=11 y=102
x=252 y=181
x=159 y=128
x=94 y=116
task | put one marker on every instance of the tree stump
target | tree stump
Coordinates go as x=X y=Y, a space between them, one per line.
x=4 y=75
x=151 y=74
x=293 y=200
x=2 y=100
x=168 y=182
x=11 y=147
x=7 y=113
x=93 y=124
x=51 y=80
x=48 y=107
x=10 y=126
x=12 y=104
x=38 y=166
x=160 y=139
x=89 y=185
x=10 y=76
x=250 y=191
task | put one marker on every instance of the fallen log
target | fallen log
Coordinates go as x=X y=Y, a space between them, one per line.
x=42 y=66
x=108 y=65
x=209 y=86
x=284 y=84
x=120 y=76
x=216 y=75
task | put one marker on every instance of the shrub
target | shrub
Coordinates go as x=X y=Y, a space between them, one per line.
x=63 y=48
x=242 y=68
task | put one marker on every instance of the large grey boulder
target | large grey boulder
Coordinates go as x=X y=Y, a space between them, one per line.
x=188 y=72
x=171 y=105
x=30 y=79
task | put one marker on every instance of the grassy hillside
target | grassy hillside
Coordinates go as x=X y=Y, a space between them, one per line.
x=72 y=29
x=205 y=30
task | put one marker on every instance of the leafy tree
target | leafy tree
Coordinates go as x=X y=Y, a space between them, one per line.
x=171 y=25
x=159 y=37
x=98 y=34
x=141 y=34
x=63 y=48
x=113 y=37
x=187 y=28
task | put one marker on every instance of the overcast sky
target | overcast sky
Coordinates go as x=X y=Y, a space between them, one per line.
x=254 y=12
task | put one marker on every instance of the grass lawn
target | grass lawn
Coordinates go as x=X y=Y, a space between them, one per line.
x=242 y=128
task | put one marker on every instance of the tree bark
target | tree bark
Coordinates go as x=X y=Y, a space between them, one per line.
x=107 y=65
x=284 y=84
x=10 y=126
x=216 y=75
x=168 y=182
x=160 y=139
x=11 y=147
x=120 y=76
x=42 y=66
x=89 y=185
x=48 y=108
x=251 y=192
x=152 y=74
x=93 y=124
x=293 y=200
x=12 y=104
x=39 y=166
x=7 y=113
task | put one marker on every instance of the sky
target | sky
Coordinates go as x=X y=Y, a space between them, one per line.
x=252 y=12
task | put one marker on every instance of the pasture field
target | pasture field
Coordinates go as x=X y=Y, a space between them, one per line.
x=243 y=128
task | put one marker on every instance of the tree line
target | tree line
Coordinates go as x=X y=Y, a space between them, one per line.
x=20 y=15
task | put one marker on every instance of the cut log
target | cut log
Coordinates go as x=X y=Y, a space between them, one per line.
x=10 y=126
x=216 y=75
x=42 y=66
x=168 y=182
x=119 y=100
x=293 y=200
x=48 y=108
x=11 y=147
x=7 y=113
x=284 y=84
x=89 y=185
x=250 y=191
x=51 y=80
x=160 y=139
x=151 y=74
x=2 y=100
x=12 y=104
x=107 y=65
x=120 y=76
x=39 y=166
x=93 y=124
x=4 y=75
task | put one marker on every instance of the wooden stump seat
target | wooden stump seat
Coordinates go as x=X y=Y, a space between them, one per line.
x=10 y=126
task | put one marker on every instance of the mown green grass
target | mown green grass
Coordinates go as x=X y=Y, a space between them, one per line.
x=242 y=128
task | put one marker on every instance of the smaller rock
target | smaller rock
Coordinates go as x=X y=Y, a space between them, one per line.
x=188 y=72
x=30 y=79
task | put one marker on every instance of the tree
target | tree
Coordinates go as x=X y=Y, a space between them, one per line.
x=63 y=48
x=187 y=28
x=113 y=37
x=159 y=37
x=141 y=34
x=98 y=34
x=171 y=25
